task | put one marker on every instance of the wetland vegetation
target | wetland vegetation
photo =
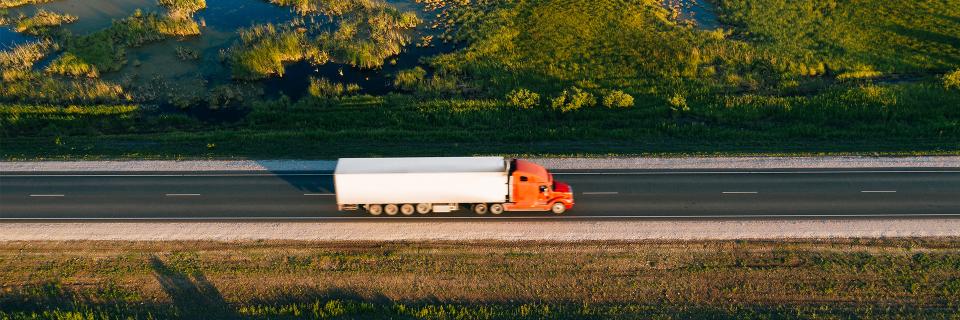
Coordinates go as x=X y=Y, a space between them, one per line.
x=366 y=77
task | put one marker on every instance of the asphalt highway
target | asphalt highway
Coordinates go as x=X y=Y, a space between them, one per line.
x=600 y=194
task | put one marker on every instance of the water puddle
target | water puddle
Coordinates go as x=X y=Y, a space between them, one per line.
x=10 y=38
x=703 y=13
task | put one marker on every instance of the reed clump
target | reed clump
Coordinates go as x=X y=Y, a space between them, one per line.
x=42 y=22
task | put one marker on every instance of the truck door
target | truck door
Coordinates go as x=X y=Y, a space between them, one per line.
x=543 y=194
x=524 y=192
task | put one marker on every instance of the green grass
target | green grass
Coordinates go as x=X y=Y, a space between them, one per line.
x=264 y=49
x=858 y=278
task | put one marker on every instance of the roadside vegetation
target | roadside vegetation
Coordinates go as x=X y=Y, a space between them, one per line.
x=547 y=77
x=902 y=278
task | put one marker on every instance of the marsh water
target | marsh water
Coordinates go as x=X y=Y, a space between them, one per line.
x=157 y=66
x=703 y=13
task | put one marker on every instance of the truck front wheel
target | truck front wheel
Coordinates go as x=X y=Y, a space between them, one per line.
x=558 y=208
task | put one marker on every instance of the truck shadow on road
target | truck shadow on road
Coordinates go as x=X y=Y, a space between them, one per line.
x=312 y=177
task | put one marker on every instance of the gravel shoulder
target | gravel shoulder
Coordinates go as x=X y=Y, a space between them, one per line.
x=504 y=231
x=833 y=162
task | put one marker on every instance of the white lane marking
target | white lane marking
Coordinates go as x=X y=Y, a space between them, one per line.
x=740 y=192
x=359 y=217
x=879 y=191
x=555 y=173
x=182 y=194
x=318 y=194
x=602 y=192
x=46 y=195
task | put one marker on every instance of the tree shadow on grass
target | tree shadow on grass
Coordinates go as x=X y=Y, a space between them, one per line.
x=192 y=295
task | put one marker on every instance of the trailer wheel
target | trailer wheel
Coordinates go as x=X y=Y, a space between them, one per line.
x=558 y=208
x=424 y=208
x=480 y=208
x=406 y=209
x=496 y=208
x=374 y=209
x=391 y=209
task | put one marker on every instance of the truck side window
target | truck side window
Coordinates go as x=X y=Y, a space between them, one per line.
x=523 y=179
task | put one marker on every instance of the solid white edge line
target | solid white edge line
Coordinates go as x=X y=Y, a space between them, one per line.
x=318 y=194
x=46 y=195
x=182 y=194
x=740 y=192
x=547 y=218
x=601 y=193
x=878 y=191
x=554 y=173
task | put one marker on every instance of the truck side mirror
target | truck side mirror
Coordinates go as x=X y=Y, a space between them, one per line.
x=543 y=188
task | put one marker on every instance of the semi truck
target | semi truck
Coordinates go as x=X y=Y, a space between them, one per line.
x=482 y=185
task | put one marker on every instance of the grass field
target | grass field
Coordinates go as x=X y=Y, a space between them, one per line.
x=590 y=77
x=907 y=278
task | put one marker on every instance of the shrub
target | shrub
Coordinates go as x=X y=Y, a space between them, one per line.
x=617 y=99
x=70 y=65
x=952 y=80
x=573 y=99
x=523 y=98
x=409 y=79
x=678 y=103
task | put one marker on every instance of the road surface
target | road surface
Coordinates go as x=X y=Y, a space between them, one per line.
x=600 y=194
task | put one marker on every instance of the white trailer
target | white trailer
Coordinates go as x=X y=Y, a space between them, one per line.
x=420 y=184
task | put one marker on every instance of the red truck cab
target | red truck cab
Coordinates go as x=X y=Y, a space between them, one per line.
x=532 y=188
